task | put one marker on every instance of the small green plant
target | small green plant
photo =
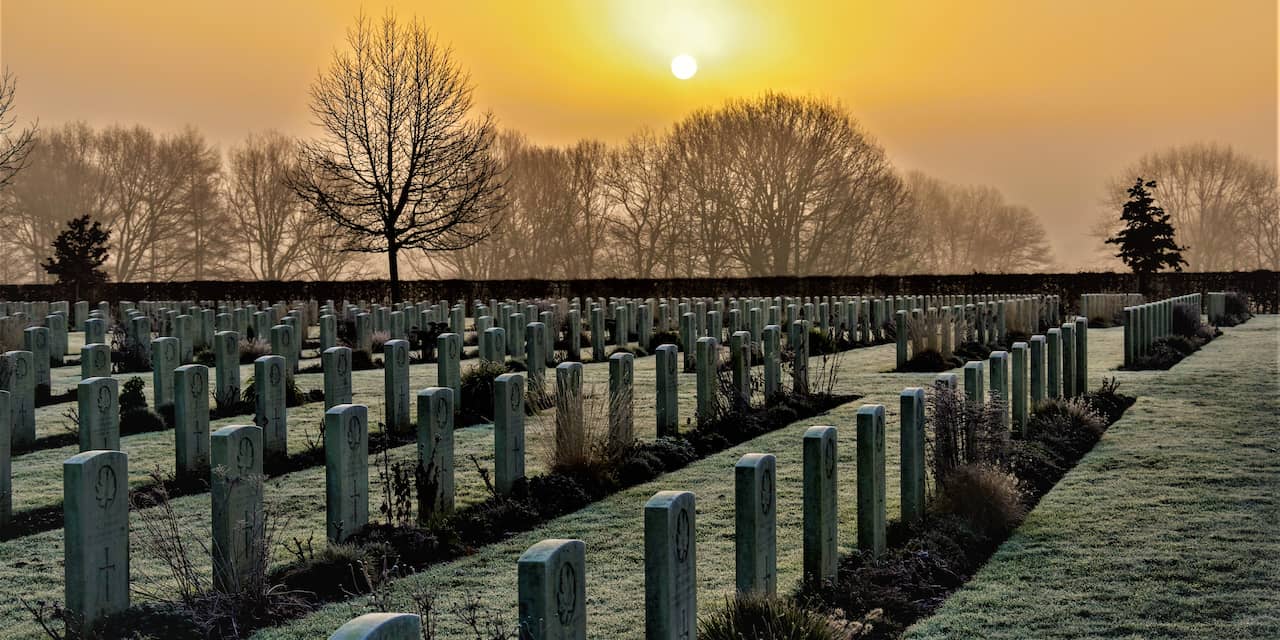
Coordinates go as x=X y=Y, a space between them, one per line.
x=755 y=617
x=131 y=396
x=477 y=387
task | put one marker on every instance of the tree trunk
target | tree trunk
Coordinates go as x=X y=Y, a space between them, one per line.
x=393 y=269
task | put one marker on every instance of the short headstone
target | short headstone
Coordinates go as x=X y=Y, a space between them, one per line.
x=381 y=626
x=820 y=518
x=871 y=478
x=911 y=444
x=336 y=362
x=99 y=414
x=95 y=489
x=283 y=344
x=597 y=334
x=346 y=459
x=236 y=491
x=435 y=453
x=755 y=524
x=6 y=459
x=364 y=333
x=688 y=338
x=670 y=566
x=95 y=331
x=508 y=431
x=900 y=333
x=191 y=419
x=975 y=392
x=551 y=579
x=270 y=411
x=95 y=360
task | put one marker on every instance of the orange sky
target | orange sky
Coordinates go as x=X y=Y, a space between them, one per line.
x=1042 y=99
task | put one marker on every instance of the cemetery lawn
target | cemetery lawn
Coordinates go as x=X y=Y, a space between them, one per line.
x=1167 y=529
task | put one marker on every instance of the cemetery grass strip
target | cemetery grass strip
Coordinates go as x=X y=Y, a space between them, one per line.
x=325 y=579
x=1167 y=529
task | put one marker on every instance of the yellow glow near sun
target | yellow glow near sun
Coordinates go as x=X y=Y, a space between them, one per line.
x=684 y=66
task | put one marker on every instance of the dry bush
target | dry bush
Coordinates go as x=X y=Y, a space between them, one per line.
x=251 y=350
x=758 y=617
x=985 y=496
x=589 y=453
x=379 y=339
x=959 y=433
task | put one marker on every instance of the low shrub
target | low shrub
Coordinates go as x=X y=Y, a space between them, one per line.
x=380 y=339
x=143 y=420
x=986 y=497
x=927 y=361
x=1185 y=320
x=293 y=396
x=822 y=342
x=758 y=617
x=477 y=387
x=251 y=350
x=1235 y=309
x=659 y=338
x=132 y=396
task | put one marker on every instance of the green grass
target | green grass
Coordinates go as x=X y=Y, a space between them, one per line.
x=1167 y=529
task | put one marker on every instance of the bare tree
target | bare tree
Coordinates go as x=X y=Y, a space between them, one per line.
x=1218 y=198
x=400 y=165
x=640 y=179
x=62 y=180
x=273 y=225
x=966 y=229
x=15 y=144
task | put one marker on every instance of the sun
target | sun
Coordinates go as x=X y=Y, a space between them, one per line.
x=684 y=66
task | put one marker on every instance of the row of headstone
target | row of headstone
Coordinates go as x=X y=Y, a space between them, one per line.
x=1146 y=323
x=1106 y=308
x=945 y=328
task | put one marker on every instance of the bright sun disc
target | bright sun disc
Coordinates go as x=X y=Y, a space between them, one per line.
x=684 y=66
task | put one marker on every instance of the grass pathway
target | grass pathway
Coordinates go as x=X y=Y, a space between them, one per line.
x=1169 y=528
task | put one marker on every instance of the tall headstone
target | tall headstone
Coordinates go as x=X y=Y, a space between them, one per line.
x=771 y=338
x=799 y=342
x=99 y=414
x=820 y=518
x=871 y=478
x=1069 y=360
x=226 y=360
x=364 y=333
x=1018 y=385
x=621 y=401
x=1053 y=358
x=95 y=493
x=1036 y=353
x=236 y=492
x=975 y=392
x=283 y=343
x=191 y=419
x=449 y=364
x=740 y=362
x=707 y=362
x=755 y=524
x=395 y=373
x=164 y=359
x=670 y=566
x=668 y=402
x=1081 y=369
x=270 y=411
x=508 y=431
x=688 y=338
x=36 y=340
x=346 y=461
x=901 y=330
x=95 y=331
x=551 y=579
x=597 y=335
x=912 y=460
x=328 y=332
x=20 y=382
x=435 y=453
x=535 y=344
x=6 y=459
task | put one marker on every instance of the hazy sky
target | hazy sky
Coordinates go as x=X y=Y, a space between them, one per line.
x=1042 y=99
